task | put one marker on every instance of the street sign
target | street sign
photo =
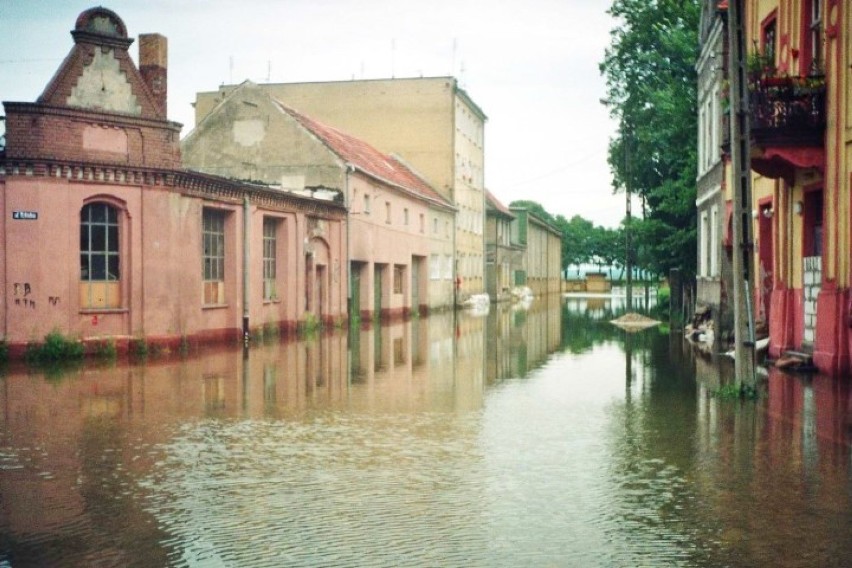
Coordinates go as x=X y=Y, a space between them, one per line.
x=25 y=215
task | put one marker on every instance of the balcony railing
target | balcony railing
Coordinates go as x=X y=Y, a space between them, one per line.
x=788 y=111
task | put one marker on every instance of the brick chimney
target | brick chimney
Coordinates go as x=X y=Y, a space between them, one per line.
x=153 y=65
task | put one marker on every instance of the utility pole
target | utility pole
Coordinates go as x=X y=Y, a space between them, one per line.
x=741 y=165
x=627 y=137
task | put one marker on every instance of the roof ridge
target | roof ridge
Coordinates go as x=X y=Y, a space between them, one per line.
x=387 y=168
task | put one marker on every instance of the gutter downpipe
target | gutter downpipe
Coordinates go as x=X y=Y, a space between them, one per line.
x=347 y=170
x=246 y=251
x=347 y=201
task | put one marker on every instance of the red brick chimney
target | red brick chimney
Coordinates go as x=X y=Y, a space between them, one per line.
x=153 y=65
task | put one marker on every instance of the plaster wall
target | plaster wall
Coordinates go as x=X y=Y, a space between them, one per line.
x=412 y=118
x=250 y=139
x=160 y=259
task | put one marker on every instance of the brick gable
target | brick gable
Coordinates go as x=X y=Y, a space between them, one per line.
x=97 y=107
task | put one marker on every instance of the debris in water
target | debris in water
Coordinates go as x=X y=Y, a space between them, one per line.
x=634 y=322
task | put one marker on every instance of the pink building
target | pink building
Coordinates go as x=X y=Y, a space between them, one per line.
x=103 y=235
x=400 y=230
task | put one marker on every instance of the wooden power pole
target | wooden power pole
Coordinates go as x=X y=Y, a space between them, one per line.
x=741 y=176
x=627 y=138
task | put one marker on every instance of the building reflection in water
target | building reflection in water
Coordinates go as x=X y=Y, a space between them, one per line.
x=520 y=339
x=109 y=464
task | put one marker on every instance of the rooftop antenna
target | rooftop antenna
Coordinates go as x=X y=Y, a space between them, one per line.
x=461 y=75
x=268 y=69
x=231 y=70
x=453 y=62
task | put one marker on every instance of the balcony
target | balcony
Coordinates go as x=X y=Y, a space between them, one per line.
x=788 y=111
x=787 y=121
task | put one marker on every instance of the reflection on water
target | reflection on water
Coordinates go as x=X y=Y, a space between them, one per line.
x=545 y=437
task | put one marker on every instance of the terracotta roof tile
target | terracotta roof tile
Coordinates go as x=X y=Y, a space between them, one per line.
x=363 y=156
x=497 y=204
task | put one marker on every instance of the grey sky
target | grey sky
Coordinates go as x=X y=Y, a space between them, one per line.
x=532 y=65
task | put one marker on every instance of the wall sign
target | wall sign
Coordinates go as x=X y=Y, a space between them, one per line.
x=25 y=215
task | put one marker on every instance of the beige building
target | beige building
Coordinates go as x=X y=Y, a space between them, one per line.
x=399 y=234
x=542 y=269
x=430 y=122
x=503 y=257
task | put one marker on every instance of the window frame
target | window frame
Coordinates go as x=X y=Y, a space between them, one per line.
x=213 y=251
x=398 y=278
x=270 y=253
x=813 y=52
x=100 y=293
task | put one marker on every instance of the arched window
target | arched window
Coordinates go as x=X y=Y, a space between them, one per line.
x=100 y=261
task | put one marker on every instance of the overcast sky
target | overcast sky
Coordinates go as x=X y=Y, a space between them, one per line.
x=531 y=65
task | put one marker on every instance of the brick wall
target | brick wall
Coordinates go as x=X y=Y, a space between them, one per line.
x=35 y=131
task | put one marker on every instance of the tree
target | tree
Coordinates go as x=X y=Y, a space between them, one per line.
x=651 y=91
x=576 y=240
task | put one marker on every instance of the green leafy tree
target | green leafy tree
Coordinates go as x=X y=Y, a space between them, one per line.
x=577 y=236
x=651 y=90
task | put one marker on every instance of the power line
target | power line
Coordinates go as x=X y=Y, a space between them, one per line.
x=554 y=172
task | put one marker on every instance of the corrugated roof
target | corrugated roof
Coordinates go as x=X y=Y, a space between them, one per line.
x=363 y=156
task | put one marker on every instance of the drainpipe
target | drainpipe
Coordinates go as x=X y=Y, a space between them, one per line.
x=347 y=203
x=246 y=294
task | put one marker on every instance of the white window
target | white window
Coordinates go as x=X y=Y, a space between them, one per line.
x=714 y=241
x=448 y=267
x=709 y=131
x=435 y=267
x=704 y=248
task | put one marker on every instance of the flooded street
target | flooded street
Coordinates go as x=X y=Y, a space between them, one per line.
x=545 y=437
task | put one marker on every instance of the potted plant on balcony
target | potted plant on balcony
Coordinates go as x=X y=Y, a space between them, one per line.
x=760 y=67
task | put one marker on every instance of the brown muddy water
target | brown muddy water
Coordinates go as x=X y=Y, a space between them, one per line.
x=544 y=437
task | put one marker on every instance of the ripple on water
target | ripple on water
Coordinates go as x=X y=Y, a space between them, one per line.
x=361 y=490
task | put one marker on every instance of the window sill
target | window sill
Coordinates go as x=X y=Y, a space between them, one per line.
x=91 y=311
x=214 y=306
x=271 y=301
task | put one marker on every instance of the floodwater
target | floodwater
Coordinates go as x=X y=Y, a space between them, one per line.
x=540 y=437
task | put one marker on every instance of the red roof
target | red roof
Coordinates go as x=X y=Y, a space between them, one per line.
x=496 y=204
x=383 y=167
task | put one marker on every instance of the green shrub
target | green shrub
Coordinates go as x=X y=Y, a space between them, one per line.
x=139 y=347
x=55 y=348
x=106 y=349
x=310 y=326
x=733 y=391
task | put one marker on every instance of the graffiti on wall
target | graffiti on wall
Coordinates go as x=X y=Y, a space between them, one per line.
x=22 y=293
